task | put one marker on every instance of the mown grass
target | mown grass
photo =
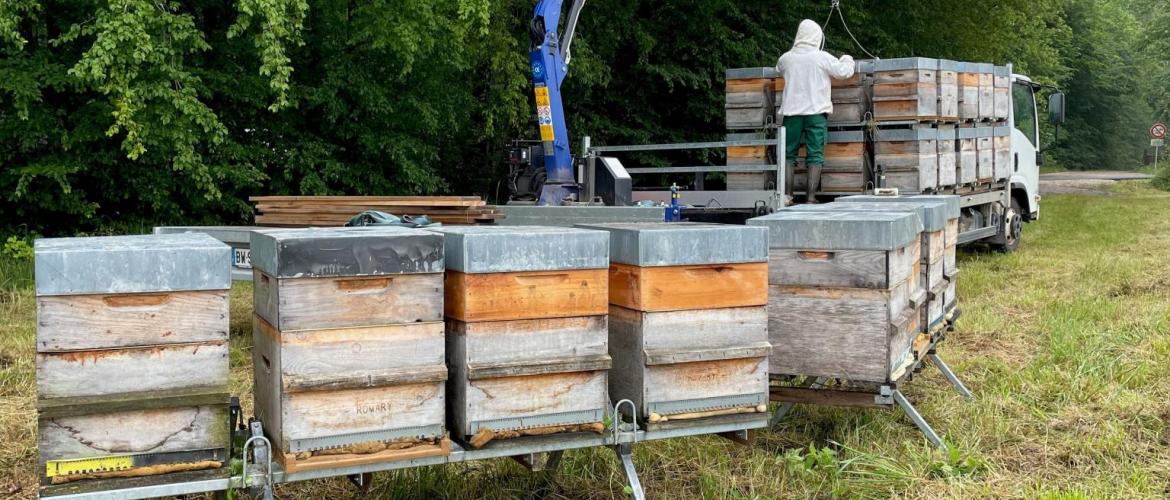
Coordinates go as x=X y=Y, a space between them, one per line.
x=1065 y=344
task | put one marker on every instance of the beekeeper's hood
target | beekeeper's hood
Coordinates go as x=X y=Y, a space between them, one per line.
x=808 y=35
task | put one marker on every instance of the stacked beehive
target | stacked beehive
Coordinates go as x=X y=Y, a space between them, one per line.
x=846 y=164
x=948 y=90
x=132 y=355
x=747 y=155
x=844 y=293
x=968 y=159
x=749 y=101
x=1001 y=145
x=1002 y=93
x=985 y=155
x=948 y=157
x=908 y=158
x=526 y=330
x=688 y=322
x=968 y=92
x=906 y=89
x=986 y=77
x=349 y=349
x=851 y=97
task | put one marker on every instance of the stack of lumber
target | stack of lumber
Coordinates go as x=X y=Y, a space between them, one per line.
x=307 y=211
x=948 y=157
x=845 y=296
x=968 y=159
x=846 y=164
x=132 y=356
x=526 y=330
x=749 y=101
x=1001 y=145
x=984 y=155
x=906 y=89
x=1001 y=93
x=747 y=155
x=908 y=157
x=851 y=97
x=688 y=328
x=349 y=353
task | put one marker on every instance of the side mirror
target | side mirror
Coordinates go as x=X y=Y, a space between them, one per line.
x=1056 y=108
x=1039 y=158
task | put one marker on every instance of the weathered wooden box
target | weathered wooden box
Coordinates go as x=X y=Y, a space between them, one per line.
x=905 y=89
x=986 y=91
x=348 y=357
x=526 y=330
x=852 y=97
x=747 y=155
x=968 y=156
x=908 y=158
x=1002 y=92
x=948 y=155
x=749 y=98
x=985 y=154
x=948 y=89
x=844 y=297
x=968 y=92
x=846 y=164
x=697 y=345
x=132 y=355
x=1001 y=144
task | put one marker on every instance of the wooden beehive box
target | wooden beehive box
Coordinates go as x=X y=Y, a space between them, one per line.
x=132 y=355
x=905 y=89
x=747 y=155
x=1002 y=93
x=968 y=92
x=908 y=158
x=1001 y=144
x=846 y=164
x=749 y=98
x=688 y=319
x=844 y=295
x=348 y=344
x=984 y=154
x=986 y=91
x=851 y=97
x=948 y=90
x=968 y=157
x=948 y=156
x=526 y=330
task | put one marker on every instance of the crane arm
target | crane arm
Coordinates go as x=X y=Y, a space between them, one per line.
x=549 y=57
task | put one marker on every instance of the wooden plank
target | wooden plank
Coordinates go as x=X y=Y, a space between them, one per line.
x=142 y=431
x=133 y=370
x=318 y=303
x=332 y=413
x=904 y=76
x=747 y=85
x=526 y=295
x=675 y=288
x=82 y=322
x=836 y=333
x=529 y=340
x=358 y=357
x=292 y=465
x=825 y=397
x=483 y=371
x=699 y=329
x=130 y=401
x=527 y=396
x=705 y=379
x=846 y=268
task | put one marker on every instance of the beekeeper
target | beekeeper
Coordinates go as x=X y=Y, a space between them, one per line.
x=807 y=71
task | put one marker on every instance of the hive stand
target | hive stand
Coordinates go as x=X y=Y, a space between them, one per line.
x=886 y=396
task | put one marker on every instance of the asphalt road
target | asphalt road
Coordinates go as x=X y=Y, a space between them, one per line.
x=1085 y=182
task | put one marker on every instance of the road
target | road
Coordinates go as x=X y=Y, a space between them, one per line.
x=1085 y=182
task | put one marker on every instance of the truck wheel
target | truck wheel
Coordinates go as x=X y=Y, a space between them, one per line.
x=1013 y=228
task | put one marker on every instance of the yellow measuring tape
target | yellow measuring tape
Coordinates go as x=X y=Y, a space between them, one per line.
x=55 y=468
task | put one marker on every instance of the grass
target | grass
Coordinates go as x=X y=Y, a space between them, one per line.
x=1065 y=344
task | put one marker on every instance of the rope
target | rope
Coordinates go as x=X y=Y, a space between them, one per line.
x=836 y=7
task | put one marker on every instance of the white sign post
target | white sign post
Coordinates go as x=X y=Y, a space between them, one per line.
x=1157 y=140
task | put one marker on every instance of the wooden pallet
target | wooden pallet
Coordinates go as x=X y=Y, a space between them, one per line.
x=302 y=211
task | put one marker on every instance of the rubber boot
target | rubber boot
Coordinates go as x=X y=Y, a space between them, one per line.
x=814 y=182
x=789 y=182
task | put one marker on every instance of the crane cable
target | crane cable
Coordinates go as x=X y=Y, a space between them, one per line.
x=836 y=7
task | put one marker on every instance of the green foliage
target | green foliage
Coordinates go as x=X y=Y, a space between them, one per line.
x=957 y=465
x=17 y=249
x=1162 y=178
x=122 y=114
x=814 y=460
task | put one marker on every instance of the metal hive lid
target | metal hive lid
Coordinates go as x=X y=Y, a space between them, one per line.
x=649 y=244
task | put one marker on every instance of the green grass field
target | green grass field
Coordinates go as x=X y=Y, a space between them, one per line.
x=1064 y=343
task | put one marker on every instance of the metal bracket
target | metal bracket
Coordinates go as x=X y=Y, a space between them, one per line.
x=742 y=437
x=262 y=455
x=363 y=482
x=547 y=462
x=783 y=408
x=950 y=375
x=625 y=434
x=917 y=419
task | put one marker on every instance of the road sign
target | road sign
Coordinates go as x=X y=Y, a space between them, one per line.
x=1158 y=131
x=1157 y=143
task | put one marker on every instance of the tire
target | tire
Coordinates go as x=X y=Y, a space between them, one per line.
x=1013 y=228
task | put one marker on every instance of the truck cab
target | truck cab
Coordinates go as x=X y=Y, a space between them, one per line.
x=1025 y=137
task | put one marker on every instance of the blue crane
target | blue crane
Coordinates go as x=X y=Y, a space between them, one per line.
x=550 y=57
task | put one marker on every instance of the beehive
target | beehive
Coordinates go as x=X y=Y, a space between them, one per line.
x=1002 y=93
x=851 y=97
x=844 y=295
x=688 y=319
x=968 y=92
x=132 y=355
x=908 y=158
x=747 y=155
x=984 y=154
x=1001 y=144
x=948 y=90
x=527 y=333
x=948 y=167
x=968 y=156
x=905 y=89
x=986 y=91
x=846 y=164
x=348 y=334
x=749 y=98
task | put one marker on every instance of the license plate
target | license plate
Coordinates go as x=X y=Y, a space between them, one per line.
x=242 y=258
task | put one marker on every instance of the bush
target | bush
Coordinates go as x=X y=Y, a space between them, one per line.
x=1162 y=179
x=17 y=249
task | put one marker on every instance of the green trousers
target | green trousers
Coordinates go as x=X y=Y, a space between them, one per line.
x=813 y=129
